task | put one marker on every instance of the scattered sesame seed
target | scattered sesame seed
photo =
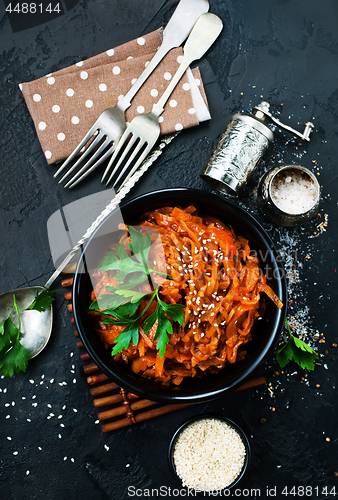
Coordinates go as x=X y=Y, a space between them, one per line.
x=15 y=453
x=9 y=438
x=106 y=447
x=27 y=472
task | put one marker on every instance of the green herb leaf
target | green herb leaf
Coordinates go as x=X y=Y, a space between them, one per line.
x=43 y=300
x=298 y=351
x=14 y=356
x=140 y=245
x=130 y=333
x=119 y=307
x=164 y=327
x=132 y=294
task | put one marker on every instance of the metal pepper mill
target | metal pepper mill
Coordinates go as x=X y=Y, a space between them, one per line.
x=242 y=146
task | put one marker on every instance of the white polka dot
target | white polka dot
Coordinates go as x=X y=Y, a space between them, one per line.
x=133 y=81
x=173 y=103
x=178 y=126
x=56 y=108
x=61 y=136
x=141 y=41
x=84 y=75
x=140 y=109
x=89 y=103
x=186 y=86
x=79 y=64
x=36 y=97
x=103 y=87
x=75 y=120
x=179 y=59
x=42 y=125
x=191 y=111
x=51 y=80
x=154 y=92
x=129 y=57
x=48 y=154
x=116 y=70
x=20 y=86
x=198 y=82
x=110 y=52
x=167 y=76
x=70 y=92
x=161 y=119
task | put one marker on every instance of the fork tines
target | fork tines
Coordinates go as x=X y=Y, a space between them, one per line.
x=94 y=142
x=127 y=157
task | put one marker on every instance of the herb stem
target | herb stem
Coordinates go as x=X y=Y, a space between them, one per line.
x=288 y=327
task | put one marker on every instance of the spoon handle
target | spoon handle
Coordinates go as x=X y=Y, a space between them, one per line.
x=111 y=206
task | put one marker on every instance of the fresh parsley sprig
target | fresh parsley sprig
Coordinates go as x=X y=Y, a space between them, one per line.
x=119 y=306
x=296 y=350
x=14 y=356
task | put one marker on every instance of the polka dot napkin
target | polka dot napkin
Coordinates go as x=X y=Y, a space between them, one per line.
x=65 y=104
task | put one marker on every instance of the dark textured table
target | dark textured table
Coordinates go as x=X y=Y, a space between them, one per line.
x=285 y=52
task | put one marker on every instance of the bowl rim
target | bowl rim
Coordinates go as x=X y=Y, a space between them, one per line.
x=209 y=416
x=179 y=397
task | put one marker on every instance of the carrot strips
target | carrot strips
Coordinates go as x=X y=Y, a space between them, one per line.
x=211 y=272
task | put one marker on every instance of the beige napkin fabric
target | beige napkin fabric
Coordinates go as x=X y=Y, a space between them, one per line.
x=66 y=103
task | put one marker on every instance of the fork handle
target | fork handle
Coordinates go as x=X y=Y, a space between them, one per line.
x=202 y=36
x=178 y=28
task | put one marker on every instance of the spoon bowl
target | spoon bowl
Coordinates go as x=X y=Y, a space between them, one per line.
x=36 y=327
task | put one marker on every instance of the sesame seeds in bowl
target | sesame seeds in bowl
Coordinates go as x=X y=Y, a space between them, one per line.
x=208 y=454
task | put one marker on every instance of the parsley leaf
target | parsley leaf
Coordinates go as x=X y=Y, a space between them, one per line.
x=43 y=300
x=298 y=351
x=119 y=306
x=14 y=356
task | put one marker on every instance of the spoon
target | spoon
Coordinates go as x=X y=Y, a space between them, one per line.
x=36 y=326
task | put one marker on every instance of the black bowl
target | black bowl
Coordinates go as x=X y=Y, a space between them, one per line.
x=203 y=417
x=267 y=329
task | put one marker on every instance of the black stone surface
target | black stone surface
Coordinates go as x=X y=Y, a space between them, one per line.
x=282 y=51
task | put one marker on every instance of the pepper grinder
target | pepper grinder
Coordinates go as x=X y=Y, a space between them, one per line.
x=242 y=146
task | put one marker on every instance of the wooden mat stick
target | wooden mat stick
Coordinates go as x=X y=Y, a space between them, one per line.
x=146 y=415
x=96 y=379
x=90 y=368
x=102 y=389
x=122 y=410
x=254 y=382
x=111 y=400
x=67 y=283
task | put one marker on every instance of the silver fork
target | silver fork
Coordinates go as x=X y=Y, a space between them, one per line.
x=144 y=130
x=104 y=135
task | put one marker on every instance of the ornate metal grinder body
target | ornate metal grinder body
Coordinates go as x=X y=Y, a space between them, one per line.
x=242 y=146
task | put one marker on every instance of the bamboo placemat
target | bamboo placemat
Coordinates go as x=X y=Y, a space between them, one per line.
x=117 y=408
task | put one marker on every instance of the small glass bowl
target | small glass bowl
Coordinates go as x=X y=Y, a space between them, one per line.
x=271 y=209
x=192 y=420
